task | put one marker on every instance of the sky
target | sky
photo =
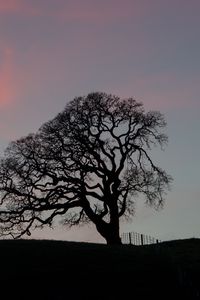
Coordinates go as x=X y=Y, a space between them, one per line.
x=54 y=50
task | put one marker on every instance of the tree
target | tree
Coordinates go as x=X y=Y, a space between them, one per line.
x=88 y=164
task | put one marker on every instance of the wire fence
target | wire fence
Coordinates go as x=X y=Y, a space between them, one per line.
x=138 y=239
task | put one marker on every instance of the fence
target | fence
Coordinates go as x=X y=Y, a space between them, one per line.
x=138 y=239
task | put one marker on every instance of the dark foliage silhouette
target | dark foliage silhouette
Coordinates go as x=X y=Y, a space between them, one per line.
x=88 y=164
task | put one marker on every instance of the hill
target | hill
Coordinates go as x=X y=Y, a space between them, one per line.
x=45 y=269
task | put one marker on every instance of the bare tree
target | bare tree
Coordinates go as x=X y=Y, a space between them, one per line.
x=88 y=164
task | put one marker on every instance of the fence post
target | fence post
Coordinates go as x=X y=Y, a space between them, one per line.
x=134 y=238
x=129 y=234
x=142 y=240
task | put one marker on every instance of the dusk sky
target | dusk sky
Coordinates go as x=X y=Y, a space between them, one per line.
x=54 y=50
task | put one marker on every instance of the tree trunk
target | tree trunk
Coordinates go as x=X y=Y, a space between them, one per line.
x=110 y=234
x=113 y=238
x=110 y=231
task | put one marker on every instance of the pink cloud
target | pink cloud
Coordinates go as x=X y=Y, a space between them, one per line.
x=66 y=11
x=6 y=77
x=11 y=78
x=17 y=6
x=100 y=12
x=80 y=11
x=95 y=12
x=10 y=5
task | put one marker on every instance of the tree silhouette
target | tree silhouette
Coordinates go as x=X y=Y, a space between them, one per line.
x=88 y=164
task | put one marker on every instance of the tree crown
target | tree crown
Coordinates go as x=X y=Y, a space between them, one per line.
x=87 y=164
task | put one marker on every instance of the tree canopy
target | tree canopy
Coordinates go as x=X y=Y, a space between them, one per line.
x=88 y=164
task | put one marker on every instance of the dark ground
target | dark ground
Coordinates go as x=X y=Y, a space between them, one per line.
x=42 y=269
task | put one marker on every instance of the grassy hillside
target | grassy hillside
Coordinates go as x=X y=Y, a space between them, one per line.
x=41 y=269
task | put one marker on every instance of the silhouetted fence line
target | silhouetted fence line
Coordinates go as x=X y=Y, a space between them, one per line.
x=135 y=238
